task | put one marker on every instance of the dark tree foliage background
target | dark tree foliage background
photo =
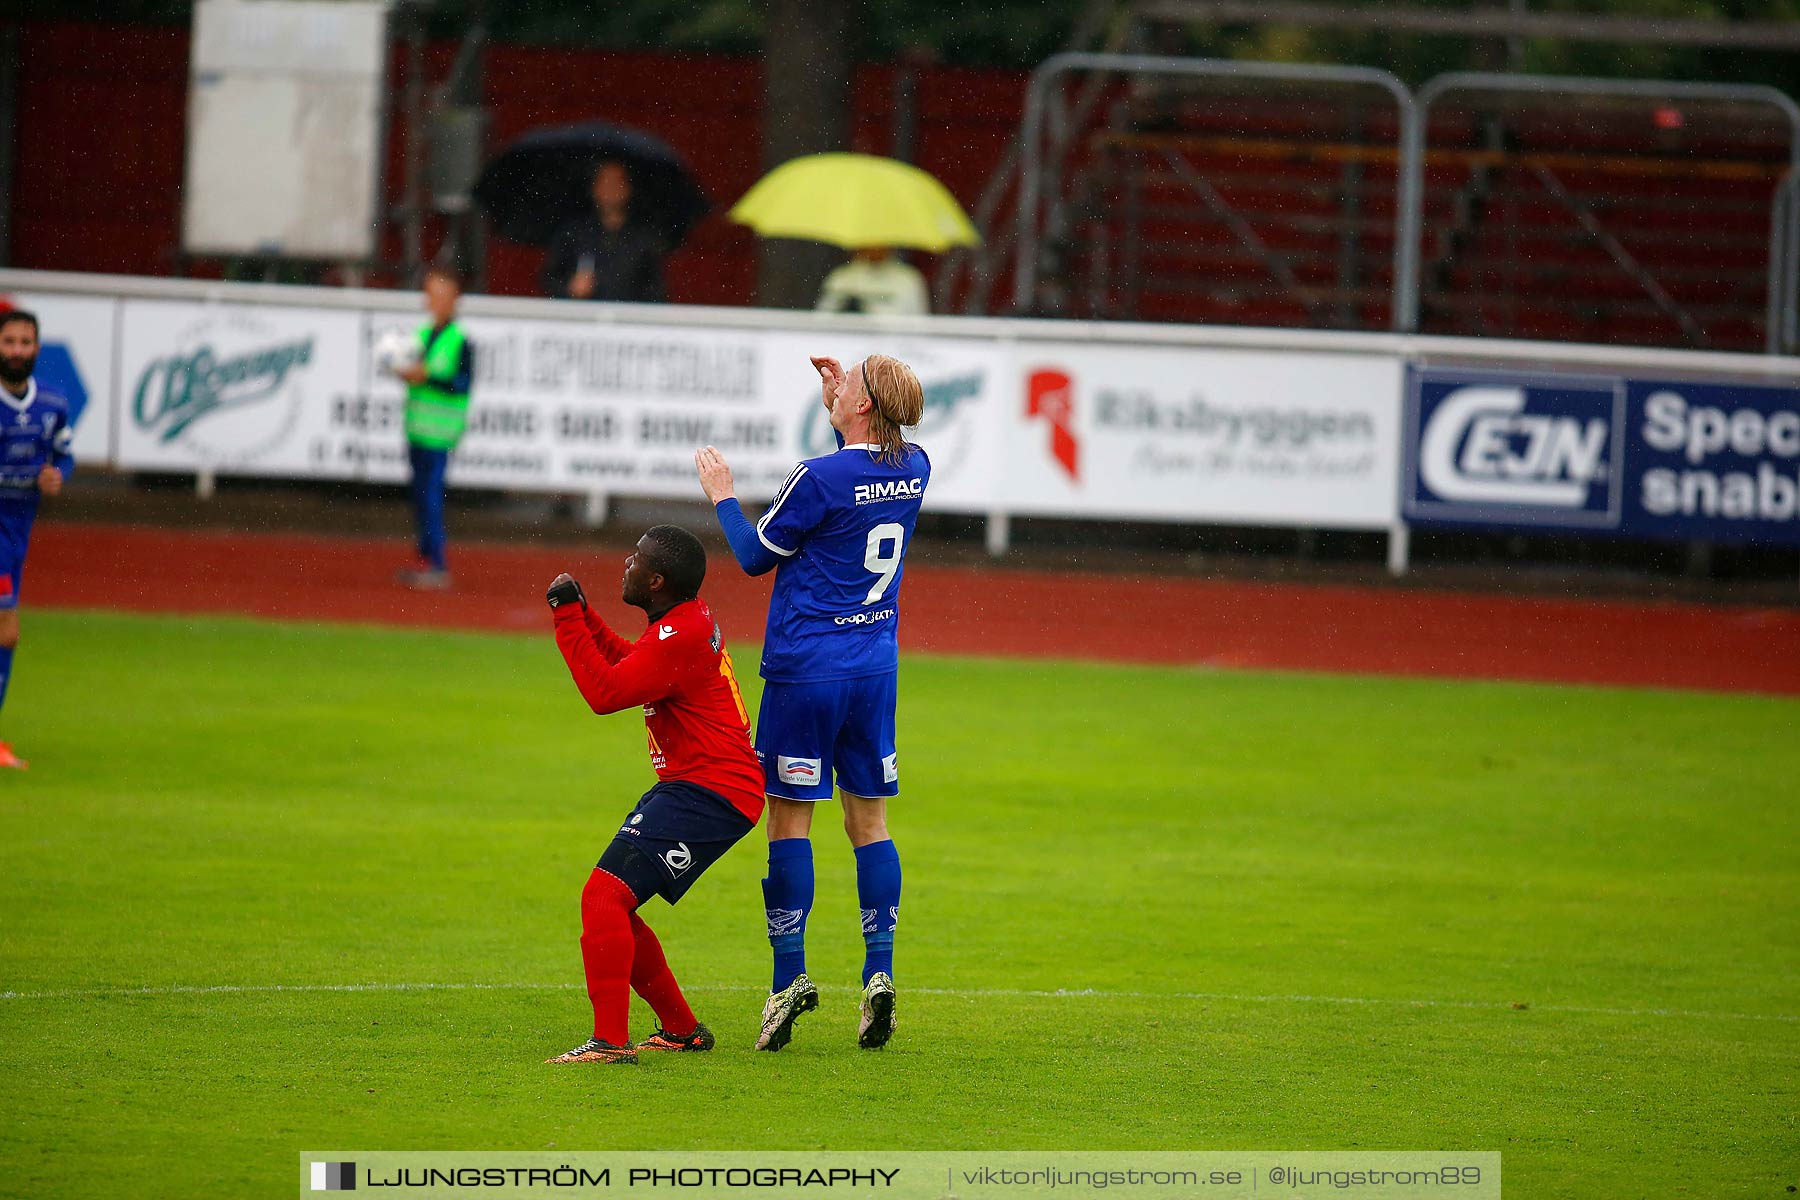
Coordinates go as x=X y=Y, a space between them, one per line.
x=1021 y=33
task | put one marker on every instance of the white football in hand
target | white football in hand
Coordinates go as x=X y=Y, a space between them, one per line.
x=395 y=350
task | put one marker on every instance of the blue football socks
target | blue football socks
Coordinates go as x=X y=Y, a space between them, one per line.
x=878 y=894
x=787 y=898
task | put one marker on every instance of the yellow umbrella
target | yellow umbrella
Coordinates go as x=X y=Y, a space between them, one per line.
x=855 y=200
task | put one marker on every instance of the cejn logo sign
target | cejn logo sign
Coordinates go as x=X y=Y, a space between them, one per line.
x=1484 y=447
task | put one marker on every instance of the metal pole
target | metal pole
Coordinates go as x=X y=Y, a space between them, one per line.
x=1025 y=236
x=1774 y=309
x=1399 y=548
x=1412 y=218
x=1791 y=270
x=999 y=533
x=413 y=102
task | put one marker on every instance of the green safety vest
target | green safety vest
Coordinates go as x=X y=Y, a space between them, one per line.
x=435 y=416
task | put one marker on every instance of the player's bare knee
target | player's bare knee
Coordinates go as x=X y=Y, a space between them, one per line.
x=9 y=634
x=789 y=818
x=865 y=819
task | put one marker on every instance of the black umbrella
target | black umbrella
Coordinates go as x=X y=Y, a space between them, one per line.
x=545 y=179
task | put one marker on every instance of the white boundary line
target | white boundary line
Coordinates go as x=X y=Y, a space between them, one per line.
x=966 y=993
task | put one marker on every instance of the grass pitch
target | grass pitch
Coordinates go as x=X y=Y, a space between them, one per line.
x=269 y=888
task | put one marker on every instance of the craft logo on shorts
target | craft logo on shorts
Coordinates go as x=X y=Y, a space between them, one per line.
x=230 y=387
x=1050 y=395
x=797 y=770
x=1523 y=449
x=334 y=1177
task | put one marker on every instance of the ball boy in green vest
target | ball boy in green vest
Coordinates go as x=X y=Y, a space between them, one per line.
x=437 y=411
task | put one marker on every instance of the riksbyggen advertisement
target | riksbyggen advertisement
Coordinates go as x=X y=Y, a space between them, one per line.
x=1204 y=435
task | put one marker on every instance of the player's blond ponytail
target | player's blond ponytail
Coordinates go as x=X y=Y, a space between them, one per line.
x=899 y=404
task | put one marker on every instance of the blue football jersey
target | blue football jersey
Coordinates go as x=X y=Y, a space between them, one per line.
x=841 y=524
x=34 y=433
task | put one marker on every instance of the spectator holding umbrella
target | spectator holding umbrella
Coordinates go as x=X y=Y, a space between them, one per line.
x=869 y=206
x=876 y=280
x=605 y=255
x=606 y=202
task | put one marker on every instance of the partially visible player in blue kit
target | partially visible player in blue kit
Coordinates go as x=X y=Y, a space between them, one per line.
x=836 y=536
x=34 y=460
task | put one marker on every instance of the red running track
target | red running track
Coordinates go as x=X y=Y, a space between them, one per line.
x=960 y=610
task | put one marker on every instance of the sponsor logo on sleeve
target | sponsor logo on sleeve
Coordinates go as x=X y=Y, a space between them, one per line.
x=797 y=770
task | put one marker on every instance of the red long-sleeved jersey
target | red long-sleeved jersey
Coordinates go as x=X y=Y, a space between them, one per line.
x=680 y=673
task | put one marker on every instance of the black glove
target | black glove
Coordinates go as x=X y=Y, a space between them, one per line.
x=565 y=591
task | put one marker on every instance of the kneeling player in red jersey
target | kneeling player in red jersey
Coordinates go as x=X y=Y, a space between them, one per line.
x=709 y=790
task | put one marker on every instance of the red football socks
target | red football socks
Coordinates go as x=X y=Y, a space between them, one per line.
x=652 y=979
x=606 y=954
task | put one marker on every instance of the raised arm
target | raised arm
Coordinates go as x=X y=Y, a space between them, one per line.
x=637 y=678
x=715 y=480
x=564 y=591
x=612 y=647
x=746 y=547
x=611 y=673
x=832 y=380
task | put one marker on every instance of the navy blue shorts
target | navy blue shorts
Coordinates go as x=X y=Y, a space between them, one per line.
x=809 y=733
x=15 y=538
x=683 y=828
